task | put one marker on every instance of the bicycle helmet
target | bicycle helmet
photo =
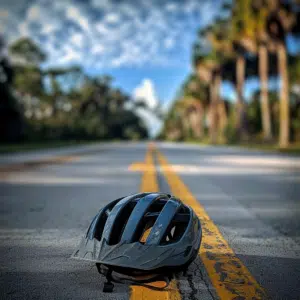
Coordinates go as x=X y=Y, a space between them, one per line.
x=142 y=236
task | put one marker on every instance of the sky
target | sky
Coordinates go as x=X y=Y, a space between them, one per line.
x=145 y=45
x=142 y=44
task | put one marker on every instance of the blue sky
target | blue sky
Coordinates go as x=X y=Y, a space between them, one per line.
x=165 y=80
x=130 y=40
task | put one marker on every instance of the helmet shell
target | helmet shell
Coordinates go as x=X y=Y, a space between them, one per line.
x=114 y=235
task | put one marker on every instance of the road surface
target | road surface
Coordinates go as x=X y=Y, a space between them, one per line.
x=49 y=197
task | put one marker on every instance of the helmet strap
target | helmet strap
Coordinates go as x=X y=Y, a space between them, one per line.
x=109 y=286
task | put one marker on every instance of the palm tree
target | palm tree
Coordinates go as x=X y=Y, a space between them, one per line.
x=230 y=40
x=283 y=18
x=173 y=125
x=193 y=110
x=194 y=94
x=249 y=24
x=259 y=12
x=239 y=37
x=205 y=68
x=222 y=54
x=247 y=35
x=264 y=97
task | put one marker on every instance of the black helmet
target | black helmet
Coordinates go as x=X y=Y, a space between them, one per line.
x=142 y=234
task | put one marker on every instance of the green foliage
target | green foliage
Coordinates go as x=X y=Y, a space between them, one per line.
x=240 y=30
x=11 y=125
x=27 y=52
x=195 y=88
x=253 y=115
x=61 y=103
x=28 y=80
x=294 y=70
x=230 y=132
x=231 y=135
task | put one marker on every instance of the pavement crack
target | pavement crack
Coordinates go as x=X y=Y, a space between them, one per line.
x=206 y=283
x=193 y=292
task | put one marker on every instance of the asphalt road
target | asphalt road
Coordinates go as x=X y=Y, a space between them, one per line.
x=253 y=198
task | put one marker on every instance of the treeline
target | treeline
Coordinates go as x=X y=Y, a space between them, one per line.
x=248 y=40
x=39 y=104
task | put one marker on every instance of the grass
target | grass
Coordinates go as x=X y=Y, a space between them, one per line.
x=30 y=146
x=292 y=149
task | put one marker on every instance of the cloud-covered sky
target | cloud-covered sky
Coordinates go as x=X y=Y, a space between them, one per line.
x=108 y=33
x=131 y=40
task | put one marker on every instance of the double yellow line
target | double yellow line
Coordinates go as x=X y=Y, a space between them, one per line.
x=229 y=276
x=149 y=184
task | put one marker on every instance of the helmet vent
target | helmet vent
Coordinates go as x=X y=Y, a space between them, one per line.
x=120 y=223
x=144 y=227
x=99 y=229
x=146 y=232
x=177 y=227
x=97 y=226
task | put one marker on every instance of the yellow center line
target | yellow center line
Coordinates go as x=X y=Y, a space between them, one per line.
x=149 y=184
x=229 y=276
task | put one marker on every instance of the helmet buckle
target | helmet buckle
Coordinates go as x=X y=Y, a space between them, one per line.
x=108 y=287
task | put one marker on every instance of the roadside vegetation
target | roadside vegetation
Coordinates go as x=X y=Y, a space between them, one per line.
x=28 y=146
x=248 y=41
x=41 y=104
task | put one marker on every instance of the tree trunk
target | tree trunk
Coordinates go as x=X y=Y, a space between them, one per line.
x=241 y=125
x=55 y=91
x=213 y=124
x=221 y=110
x=196 y=120
x=223 y=120
x=201 y=115
x=192 y=122
x=185 y=125
x=284 y=97
x=264 y=98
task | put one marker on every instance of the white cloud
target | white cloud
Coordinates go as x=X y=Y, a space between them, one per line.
x=33 y=13
x=152 y=122
x=121 y=60
x=191 y=6
x=70 y=56
x=171 y=7
x=59 y=5
x=112 y=18
x=169 y=43
x=101 y=28
x=102 y=4
x=145 y=92
x=146 y=33
x=77 y=39
x=73 y=13
x=98 y=49
x=129 y=10
x=48 y=28
x=23 y=29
